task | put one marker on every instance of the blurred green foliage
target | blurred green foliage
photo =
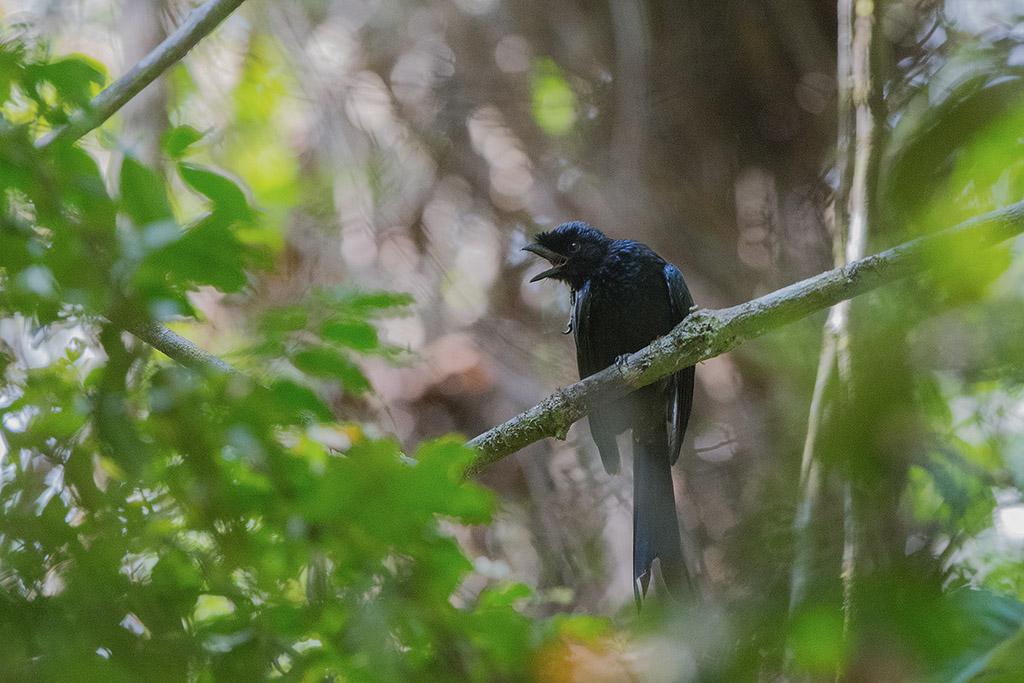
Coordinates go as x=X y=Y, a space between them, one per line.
x=161 y=525
x=937 y=587
x=554 y=102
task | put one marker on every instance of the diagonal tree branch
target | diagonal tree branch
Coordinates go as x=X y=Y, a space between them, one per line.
x=174 y=346
x=200 y=22
x=708 y=333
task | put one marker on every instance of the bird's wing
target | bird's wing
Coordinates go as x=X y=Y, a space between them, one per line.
x=681 y=384
x=586 y=360
x=581 y=330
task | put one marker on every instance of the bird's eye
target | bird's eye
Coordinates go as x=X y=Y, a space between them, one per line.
x=574 y=247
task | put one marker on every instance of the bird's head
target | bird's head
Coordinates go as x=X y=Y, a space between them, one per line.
x=574 y=250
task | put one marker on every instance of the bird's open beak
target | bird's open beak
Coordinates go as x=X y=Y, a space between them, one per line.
x=556 y=259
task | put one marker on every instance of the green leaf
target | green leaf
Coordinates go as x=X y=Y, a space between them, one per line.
x=143 y=193
x=284 y=319
x=177 y=580
x=504 y=596
x=990 y=633
x=816 y=640
x=360 y=336
x=366 y=304
x=322 y=361
x=442 y=464
x=85 y=187
x=294 y=398
x=177 y=140
x=207 y=254
x=1004 y=664
x=77 y=78
x=225 y=194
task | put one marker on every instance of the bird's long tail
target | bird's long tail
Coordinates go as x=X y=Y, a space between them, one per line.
x=655 y=525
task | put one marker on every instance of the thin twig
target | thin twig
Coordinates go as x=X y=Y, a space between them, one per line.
x=851 y=210
x=705 y=334
x=864 y=145
x=810 y=474
x=199 y=23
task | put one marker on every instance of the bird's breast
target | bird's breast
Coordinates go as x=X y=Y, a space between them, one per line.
x=627 y=314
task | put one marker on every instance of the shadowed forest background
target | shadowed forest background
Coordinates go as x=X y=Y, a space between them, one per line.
x=332 y=195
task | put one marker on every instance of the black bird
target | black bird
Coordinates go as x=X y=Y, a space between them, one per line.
x=624 y=296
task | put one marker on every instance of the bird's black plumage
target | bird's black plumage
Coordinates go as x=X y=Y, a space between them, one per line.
x=624 y=297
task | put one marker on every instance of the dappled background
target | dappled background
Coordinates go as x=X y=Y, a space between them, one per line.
x=416 y=147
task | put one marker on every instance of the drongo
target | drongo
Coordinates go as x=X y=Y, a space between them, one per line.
x=624 y=296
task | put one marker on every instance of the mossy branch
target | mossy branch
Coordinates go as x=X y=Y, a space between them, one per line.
x=705 y=334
